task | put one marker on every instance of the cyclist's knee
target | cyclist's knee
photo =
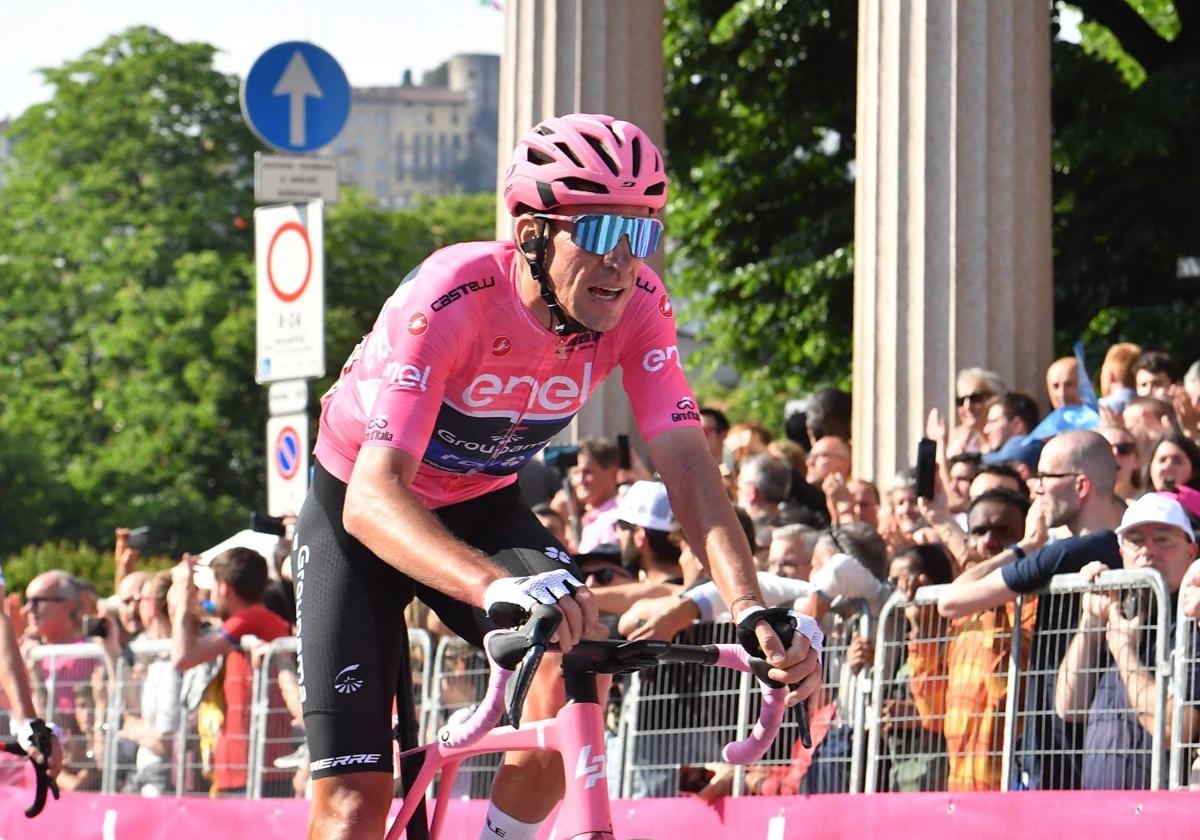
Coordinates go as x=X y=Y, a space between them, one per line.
x=351 y=806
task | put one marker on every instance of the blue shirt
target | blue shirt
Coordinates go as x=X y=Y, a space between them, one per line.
x=1047 y=756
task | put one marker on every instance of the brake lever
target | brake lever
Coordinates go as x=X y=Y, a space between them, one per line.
x=785 y=629
x=44 y=782
x=542 y=623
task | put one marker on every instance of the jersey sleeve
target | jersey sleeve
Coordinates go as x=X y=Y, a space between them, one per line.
x=652 y=372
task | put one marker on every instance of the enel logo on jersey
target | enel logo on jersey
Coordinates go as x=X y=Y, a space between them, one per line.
x=555 y=394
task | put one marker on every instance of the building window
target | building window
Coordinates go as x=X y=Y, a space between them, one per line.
x=399 y=157
x=429 y=117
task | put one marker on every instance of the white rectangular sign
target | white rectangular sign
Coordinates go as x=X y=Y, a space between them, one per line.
x=287 y=463
x=288 y=397
x=289 y=250
x=280 y=178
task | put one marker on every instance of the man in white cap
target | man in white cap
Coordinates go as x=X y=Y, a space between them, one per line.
x=643 y=526
x=1107 y=678
x=644 y=522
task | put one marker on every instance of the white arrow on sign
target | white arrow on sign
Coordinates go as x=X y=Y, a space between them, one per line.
x=297 y=82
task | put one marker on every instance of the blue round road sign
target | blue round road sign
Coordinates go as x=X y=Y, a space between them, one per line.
x=287 y=452
x=296 y=97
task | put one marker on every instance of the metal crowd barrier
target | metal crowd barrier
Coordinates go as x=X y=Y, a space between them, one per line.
x=676 y=717
x=979 y=699
x=459 y=678
x=1185 y=706
x=955 y=705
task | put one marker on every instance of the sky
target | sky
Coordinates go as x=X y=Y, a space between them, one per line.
x=373 y=40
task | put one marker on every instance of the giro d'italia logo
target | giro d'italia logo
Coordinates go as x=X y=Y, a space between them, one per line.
x=347 y=682
x=555 y=553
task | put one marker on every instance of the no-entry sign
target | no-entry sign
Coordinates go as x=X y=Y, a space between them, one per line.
x=287 y=463
x=289 y=251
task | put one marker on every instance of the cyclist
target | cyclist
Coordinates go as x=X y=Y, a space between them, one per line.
x=484 y=352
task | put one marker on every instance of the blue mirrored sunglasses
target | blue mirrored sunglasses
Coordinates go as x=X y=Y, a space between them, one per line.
x=599 y=233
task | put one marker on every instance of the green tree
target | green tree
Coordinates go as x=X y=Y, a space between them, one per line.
x=760 y=119
x=126 y=296
x=126 y=289
x=760 y=128
x=1126 y=111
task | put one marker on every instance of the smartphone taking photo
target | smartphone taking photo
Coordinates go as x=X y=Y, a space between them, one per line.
x=926 y=467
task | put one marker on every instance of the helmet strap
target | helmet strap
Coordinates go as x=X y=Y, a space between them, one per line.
x=560 y=322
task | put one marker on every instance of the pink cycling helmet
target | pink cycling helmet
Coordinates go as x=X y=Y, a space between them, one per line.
x=584 y=159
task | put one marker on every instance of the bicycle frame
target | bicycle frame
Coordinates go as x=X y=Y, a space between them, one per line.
x=576 y=733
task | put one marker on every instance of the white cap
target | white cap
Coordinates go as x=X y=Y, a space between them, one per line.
x=1154 y=509
x=645 y=504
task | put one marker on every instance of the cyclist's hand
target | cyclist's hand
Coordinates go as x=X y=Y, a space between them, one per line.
x=558 y=588
x=25 y=737
x=799 y=665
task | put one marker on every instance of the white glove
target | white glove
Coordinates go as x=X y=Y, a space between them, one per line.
x=527 y=592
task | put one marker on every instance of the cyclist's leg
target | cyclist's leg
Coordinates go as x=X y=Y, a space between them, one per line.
x=528 y=784
x=349 y=607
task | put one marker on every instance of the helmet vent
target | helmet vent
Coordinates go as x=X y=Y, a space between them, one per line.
x=598 y=147
x=539 y=158
x=544 y=130
x=566 y=150
x=637 y=156
x=583 y=185
x=656 y=189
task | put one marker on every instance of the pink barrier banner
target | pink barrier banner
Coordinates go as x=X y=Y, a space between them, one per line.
x=930 y=816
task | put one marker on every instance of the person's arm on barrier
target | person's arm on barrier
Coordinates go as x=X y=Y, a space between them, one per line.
x=1076 y=681
x=983 y=585
x=620 y=597
x=658 y=618
x=699 y=502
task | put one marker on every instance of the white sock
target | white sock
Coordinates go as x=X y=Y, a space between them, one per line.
x=500 y=826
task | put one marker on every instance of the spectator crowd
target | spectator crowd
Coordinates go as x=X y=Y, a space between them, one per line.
x=1104 y=481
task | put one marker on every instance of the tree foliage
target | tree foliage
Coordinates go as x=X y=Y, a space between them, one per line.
x=760 y=128
x=126 y=292
x=760 y=125
x=1126 y=112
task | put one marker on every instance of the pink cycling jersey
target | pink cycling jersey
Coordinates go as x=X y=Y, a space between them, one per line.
x=458 y=373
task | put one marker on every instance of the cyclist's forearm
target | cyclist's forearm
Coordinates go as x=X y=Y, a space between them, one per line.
x=14 y=679
x=386 y=517
x=699 y=502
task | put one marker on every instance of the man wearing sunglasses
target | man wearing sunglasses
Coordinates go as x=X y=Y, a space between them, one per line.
x=483 y=354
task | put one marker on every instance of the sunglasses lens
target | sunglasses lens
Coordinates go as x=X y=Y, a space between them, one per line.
x=600 y=233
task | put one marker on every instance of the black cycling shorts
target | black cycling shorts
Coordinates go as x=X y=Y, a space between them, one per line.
x=350 y=612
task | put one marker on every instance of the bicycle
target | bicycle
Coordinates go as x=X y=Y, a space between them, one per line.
x=577 y=731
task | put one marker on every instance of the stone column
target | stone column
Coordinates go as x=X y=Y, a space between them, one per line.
x=952 y=212
x=581 y=56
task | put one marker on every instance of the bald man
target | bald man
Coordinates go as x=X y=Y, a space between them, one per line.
x=1074 y=488
x=1062 y=382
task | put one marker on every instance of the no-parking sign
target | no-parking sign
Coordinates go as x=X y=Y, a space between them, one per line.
x=287 y=463
x=289 y=248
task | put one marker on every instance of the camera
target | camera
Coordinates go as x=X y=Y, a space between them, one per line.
x=264 y=524
x=561 y=457
x=138 y=537
x=95 y=626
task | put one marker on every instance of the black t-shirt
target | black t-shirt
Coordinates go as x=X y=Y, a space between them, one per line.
x=1049 y=750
